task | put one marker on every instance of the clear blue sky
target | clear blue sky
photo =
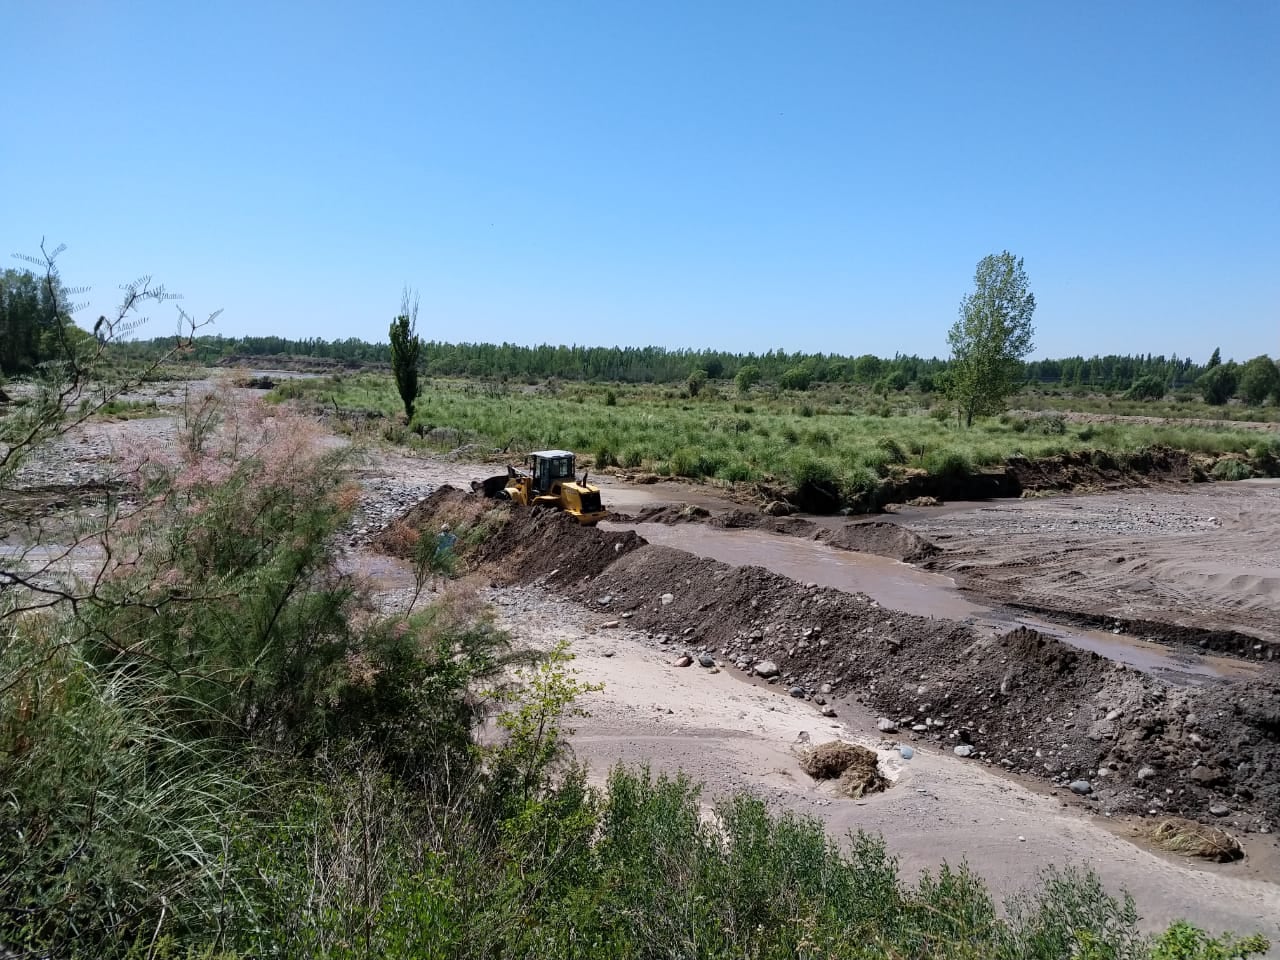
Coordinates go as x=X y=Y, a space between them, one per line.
x=744 y=175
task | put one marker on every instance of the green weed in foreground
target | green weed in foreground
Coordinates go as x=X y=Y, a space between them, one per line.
x=839 y=437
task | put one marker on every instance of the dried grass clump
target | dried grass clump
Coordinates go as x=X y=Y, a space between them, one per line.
x=1195 y=840
x=856 y=767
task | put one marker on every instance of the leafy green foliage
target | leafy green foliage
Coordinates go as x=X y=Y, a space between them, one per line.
x=746 y=378
x=1231 y=469
x=696 y=381
x=1260 y=380
x=1182 y=941
x=991 y=337
x=796 y=378
x=1146 y=388
x=32 y=322
x=406 y=350
x=1219 y=384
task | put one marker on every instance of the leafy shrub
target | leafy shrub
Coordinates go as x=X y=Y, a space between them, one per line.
x=1259 y=380
x=605 y=457
x=1219 y=384
x=1182 y=941
x=1231 y=469
x=1146 y=388
x=898 y=380
x=610 y=398
x=1046 y=425
x=948 y=465
x=691 y=463
x=736 y=472
x=632 y=458
x=892 y=449
x=821 y=439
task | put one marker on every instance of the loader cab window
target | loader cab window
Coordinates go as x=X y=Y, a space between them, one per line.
x=550 y=470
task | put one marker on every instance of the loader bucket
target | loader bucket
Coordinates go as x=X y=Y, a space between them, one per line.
x=490 y=487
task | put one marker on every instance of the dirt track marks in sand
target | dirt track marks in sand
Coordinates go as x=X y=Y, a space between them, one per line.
x=1204 y=557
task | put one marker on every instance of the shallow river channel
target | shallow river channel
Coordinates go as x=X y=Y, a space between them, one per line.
x=902 y=586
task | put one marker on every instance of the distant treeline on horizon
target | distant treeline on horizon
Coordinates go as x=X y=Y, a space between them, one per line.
x=662 y=365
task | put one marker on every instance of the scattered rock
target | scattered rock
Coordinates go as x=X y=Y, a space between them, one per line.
x=667 y=598
x=610 y=624
x=683 y=661
x=1206 y=776
x=964 y=750
x=1080 y=787
x=1219 y=809
x=797 y=692
x=706 y=660
x=906 y=752
x=885 y=725
x=766 y=669
x=828 y=711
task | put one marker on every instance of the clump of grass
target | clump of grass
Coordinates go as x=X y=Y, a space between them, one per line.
x=857 y=768
x=1192 y=839
x=948 y=465
x=1043 y=425
x=1230 y=468
x=891 y=449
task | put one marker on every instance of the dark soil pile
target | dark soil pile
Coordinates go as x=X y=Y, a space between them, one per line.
x=880 y=537
x=550 y=546
x=1024 y=701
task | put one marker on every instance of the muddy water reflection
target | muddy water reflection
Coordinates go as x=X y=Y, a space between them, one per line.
x=901 y=586
x=896 y=585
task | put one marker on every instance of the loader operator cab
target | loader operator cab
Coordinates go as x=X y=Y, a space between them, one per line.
x=550 y=467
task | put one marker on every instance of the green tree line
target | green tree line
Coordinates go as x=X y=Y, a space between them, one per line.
x=663 y=365
x=31 y=322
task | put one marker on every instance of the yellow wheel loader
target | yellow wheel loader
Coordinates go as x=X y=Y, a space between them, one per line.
x=549 y=481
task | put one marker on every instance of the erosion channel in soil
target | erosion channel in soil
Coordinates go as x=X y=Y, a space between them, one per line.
x=1129 y=741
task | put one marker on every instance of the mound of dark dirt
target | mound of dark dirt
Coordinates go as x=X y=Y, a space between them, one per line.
x=548 y=545
x=882 y=538
x=666 y=513
x=524 y=544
